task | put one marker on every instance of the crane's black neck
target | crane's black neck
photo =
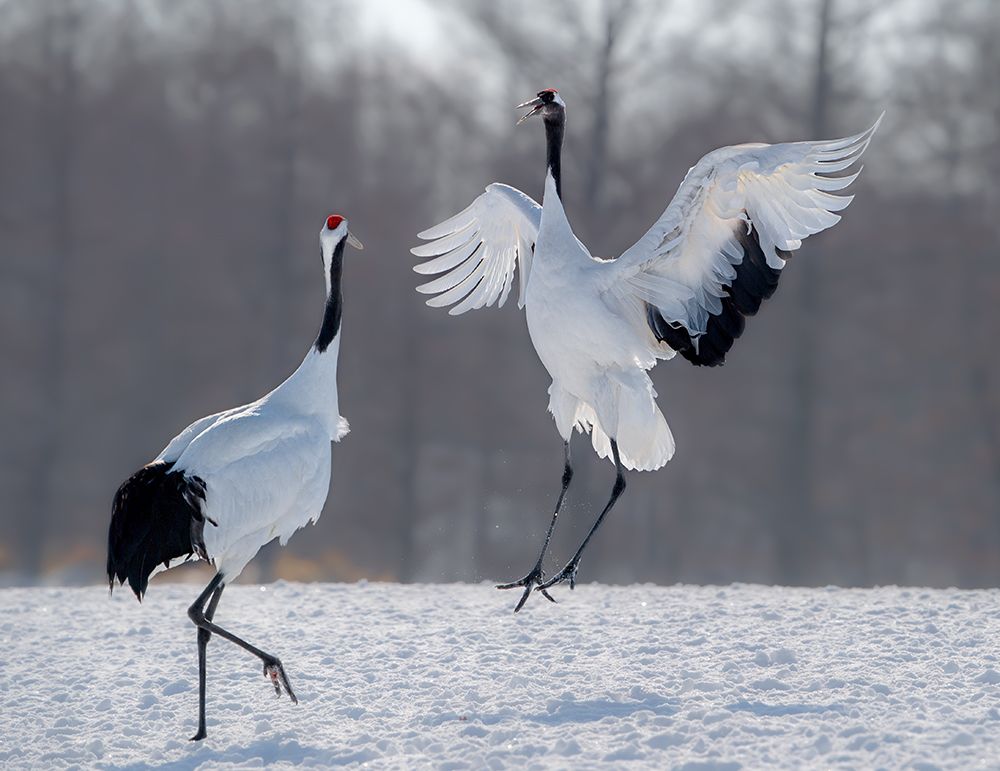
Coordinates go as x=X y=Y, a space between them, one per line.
x=334 y=300
x=555 y=127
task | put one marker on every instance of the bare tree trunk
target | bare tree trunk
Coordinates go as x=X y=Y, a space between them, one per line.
x=821 y=72
x=986 y=386
x=284 y=146
x=409 y=447
x=982 y=389
x=795 y=527
x=985 y=271
x=599 y=131
x=59 y=41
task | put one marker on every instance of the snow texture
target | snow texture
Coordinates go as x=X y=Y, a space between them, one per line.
x=444 y=676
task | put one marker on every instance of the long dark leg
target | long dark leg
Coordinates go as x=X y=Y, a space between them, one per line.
x=535 y=576
x=203 y=637
x=201 y=619
x=569 y=572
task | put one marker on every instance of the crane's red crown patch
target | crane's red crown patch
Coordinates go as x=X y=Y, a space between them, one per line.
x=333 y=221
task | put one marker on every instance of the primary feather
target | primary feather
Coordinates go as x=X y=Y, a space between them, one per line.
x=479 y=249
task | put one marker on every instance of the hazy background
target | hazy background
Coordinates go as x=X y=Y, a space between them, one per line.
x=165 y=168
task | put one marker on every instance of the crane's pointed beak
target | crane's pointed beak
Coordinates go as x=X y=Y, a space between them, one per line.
x=535 y=105
x=353 y=241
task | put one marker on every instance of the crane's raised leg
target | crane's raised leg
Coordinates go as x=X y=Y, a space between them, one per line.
x=536 y=574
x=202 y=618
x=568 y=573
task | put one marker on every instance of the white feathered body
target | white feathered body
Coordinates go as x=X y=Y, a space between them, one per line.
x=596 y=355
x=265 y=465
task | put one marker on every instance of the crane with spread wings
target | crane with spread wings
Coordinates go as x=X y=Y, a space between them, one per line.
x=686 y=287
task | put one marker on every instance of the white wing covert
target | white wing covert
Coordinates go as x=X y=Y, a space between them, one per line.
x=179 y=443
x=479 y=249
x=717 y=251
x=265 y=479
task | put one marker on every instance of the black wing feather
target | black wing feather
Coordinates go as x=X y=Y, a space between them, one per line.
x=156 y=517
x=755 y=282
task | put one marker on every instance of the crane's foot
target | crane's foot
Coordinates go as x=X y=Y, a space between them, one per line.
x=202 y=733
x=568 y=573
x=529 y=582
x=274 y=670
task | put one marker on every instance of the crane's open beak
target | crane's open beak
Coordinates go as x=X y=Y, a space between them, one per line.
x=353 y=241
x=535 y=105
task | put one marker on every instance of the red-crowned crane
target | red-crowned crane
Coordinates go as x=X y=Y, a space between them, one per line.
x=685 y=287
x=231 y=482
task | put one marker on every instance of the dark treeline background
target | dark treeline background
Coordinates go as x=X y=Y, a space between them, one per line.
x=165 y=168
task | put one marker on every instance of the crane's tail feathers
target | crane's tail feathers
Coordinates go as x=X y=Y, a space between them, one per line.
x=644 y=439
x=156 y=517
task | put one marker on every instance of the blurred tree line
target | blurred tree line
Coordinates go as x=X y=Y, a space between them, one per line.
x=165 y=169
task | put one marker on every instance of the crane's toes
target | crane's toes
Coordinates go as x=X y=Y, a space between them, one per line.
x=279 y=679
x=274 y=680
x=524 y=598
x=568 y=573
x=533 y=579
x=529 y=582
x=202 y=733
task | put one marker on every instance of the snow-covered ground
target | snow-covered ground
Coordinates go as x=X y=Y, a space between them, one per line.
x=445 y=676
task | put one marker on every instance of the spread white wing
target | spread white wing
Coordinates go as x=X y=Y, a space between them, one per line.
x=479 y=249
x=718 y=249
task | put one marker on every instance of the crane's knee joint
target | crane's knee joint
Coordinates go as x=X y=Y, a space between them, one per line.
x=619 y=487
x=567 y=475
